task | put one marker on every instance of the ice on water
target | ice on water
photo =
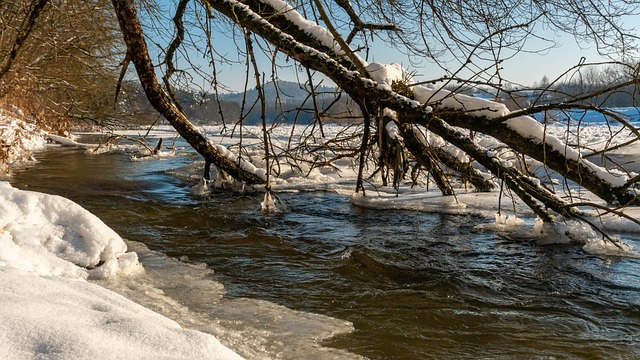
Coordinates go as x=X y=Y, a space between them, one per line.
x=187 y=293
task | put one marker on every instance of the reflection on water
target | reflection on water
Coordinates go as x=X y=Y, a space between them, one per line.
x=414 y=285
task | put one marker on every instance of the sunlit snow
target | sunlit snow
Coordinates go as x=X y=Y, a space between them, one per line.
x=48 y=247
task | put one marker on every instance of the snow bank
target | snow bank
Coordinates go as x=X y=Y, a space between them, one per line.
x=61 y=318
x=17 y=137
x=49 y=245
x=53 y=236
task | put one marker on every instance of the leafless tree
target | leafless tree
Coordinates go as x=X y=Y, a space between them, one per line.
x=468 y=40
x=59 y=58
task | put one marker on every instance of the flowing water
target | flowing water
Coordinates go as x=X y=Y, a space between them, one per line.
x=414 y=285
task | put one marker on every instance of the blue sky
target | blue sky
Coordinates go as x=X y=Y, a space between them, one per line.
x=524 y=68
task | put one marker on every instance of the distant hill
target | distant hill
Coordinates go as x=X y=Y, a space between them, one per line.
x=290 y=102
x=286 y=102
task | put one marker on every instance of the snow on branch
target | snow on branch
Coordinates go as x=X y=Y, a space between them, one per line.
x=414 y=106
x=525 y=126
x=310 y=27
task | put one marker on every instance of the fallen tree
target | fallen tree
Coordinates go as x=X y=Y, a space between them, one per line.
x=387 y=91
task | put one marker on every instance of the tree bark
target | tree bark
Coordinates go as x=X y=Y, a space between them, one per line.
x=425 y=156
x=134 y=39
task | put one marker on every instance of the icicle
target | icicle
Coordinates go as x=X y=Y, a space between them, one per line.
x=201 y=188
x=268 y=204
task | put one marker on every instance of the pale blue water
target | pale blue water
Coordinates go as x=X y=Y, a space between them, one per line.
x=630 y=114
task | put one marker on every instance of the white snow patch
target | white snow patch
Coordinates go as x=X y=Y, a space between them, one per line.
x=420 y=201
x=65 y=141
x=268 y=204
x=241 y=162
x=609 y=248
x=49 y=245
x=146 y=156
x=474 y=106
x=47 y=317
x=508 y=220
x=577 y=232
x=49 y=235
x=388 y=73
x=393 y=131
x=201 y=188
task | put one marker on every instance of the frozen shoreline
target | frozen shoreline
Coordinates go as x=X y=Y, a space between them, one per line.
x=49 y=247
x=49 y=309
x=31 y=267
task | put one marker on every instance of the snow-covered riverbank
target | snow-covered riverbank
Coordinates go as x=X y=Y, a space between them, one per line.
x=71 y=288
x=17 y=139
x=49 y=247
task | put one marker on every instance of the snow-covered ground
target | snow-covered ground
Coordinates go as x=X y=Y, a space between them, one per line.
x=65 y=281
x=17 y=139
x=49 y=247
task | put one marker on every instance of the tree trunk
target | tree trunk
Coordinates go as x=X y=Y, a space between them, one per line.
x=425 y=156
x=132 y=32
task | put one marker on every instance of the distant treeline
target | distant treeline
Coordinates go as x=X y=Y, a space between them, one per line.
x=587 y=86
x=627 y=96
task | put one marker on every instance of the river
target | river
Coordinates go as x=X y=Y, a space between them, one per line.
x=414 y=285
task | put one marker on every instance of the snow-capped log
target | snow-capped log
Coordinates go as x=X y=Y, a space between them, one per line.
x=549 y=151
x=311 y=46
x=283 y=16
x=293 y=41
x=138 y=52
